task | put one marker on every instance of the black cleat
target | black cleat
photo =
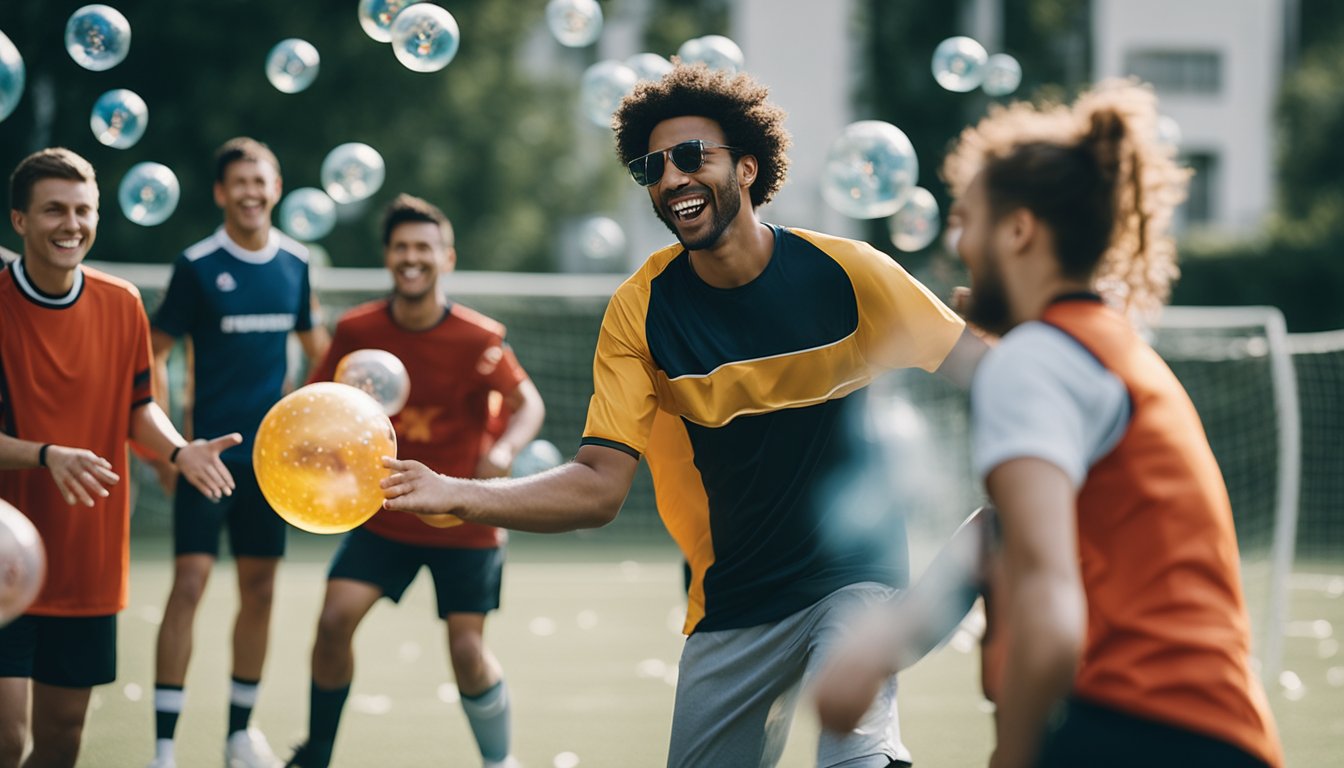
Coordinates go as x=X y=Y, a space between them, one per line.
x=310 y=755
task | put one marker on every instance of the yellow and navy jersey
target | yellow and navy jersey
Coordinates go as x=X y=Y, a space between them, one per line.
x=736 y=397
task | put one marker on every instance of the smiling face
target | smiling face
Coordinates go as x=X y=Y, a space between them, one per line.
x=58 y=227
x=416 y=254
x=246 y=194
x=698 y=207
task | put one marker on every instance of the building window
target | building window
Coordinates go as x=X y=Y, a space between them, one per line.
x=1200 y=205
x=1178 y=71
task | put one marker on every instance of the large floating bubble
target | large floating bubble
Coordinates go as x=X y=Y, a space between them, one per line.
x=12 y=76
x=959 y=64
x=601 y=240
x=1002 y=75
x=536 y=456
x=98 y=37
x=916 y=224
x=378 y=373
x=575 y=23
x=425 y=37
x=23 y=563
x=603 y=86
x=119 y=118
x=318 y=457
x=375 y=17
x=307 y=214
x=148 y=193
x=714 y=51
x=870 y=170
x=292 y=65
x=352 y=172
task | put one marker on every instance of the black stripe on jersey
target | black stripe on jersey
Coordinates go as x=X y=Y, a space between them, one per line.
x=622 y=447
x=693 y=328
x=140 y=378
x=8 y=424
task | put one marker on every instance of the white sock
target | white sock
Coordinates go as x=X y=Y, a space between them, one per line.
x=163 y=749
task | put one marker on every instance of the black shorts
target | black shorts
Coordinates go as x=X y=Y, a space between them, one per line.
x=1100 y=737
x=255 y=530
x=66 y=651
x=465 y=580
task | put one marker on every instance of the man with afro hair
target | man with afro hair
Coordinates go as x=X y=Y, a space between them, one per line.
x=729 y=360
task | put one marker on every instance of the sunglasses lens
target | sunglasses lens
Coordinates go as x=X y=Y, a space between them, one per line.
x=688 y=156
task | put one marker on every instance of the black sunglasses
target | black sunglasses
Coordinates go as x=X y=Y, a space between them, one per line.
x=687 y=156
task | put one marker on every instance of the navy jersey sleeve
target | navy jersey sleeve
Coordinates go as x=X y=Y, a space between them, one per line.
x=176 y=314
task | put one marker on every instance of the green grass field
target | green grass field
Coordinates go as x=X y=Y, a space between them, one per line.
x=589 y=638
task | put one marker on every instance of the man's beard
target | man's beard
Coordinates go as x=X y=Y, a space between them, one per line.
x=726 y=202
x=989 y=301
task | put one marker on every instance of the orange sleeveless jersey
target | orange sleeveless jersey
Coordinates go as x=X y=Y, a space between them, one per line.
x=72 y=376
x=454 y=368
x=1168 y=636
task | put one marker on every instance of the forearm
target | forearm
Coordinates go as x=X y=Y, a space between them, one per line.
x=1043 y=654
x=18 y=454
x=570 y=497
x=152 y=429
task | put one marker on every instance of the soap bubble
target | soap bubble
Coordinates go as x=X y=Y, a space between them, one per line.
x=119 y=118
x=959 y=64
x=352 y=172
x=575 y=23
x=98 y=37
x=12 y=76
x=1002 y=75
x=375 y=17
x=916 y=224
x=425 y=37
x=649 y=66
x=148 y=193
x=714 y=51
x=307 y=214
x=603 y=86
x=292 y=65
x=870 y=170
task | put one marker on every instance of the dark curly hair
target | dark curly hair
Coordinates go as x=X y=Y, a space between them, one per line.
x=735 y=101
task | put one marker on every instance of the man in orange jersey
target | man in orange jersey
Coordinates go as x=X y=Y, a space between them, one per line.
x=1117 y=594
x=458 y=363
x=74 y=387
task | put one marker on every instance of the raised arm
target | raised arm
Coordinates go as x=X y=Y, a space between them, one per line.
x=526 y=413
x=1044 y=605
x=584 y=493
x=198 y=460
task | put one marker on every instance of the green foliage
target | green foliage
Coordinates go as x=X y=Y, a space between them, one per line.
x=494 y=142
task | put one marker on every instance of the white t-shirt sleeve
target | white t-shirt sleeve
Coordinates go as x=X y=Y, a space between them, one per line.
x=1041 y=394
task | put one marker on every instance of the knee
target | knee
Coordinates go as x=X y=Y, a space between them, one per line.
x=335 y=628
x=188 y=588
x=467 y=654
x=58 y=740
x=257 y=592
x=13 y=738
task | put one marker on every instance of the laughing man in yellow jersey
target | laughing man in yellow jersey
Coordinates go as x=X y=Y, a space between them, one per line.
x=728 y=360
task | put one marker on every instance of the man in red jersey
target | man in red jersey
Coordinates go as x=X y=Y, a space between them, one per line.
x=458 y=364
x=74 y=387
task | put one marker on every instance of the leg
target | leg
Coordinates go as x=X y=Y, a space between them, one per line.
x=14 y=720
x=58 y=725
x=191 y=572
x=346 y=604
x=736 y=691
x=485 y=697
x=252 y=628
x=876 y=741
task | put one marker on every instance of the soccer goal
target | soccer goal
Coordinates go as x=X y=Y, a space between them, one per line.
x=1237 y=365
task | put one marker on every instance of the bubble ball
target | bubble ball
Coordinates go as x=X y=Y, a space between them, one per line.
x=1168 y=131
x=379 y=374
x=603 y=86
x=575 y=23
x=352 y=172
x=1002 y=75
x=12 y=76
x=307 y=214
x=870 y=169
x=119 y=118
x=23 y=563
x=425 y=37
x=318 y=457
x=536 y=456
x=149 y=193
x=98 y=37
x=959 y=64
x=714 y=51
x=916 y=224
x=292 y=65
x=375 y=17
x=601 y=240
x=649 y=66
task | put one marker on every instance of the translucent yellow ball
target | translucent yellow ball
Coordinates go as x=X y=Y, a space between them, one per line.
x=318 y=457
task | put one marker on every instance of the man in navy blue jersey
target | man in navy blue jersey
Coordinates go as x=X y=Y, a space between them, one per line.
x=236 y=295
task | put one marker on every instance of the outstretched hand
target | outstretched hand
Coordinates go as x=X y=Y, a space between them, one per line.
x=80 y=474
x=199 y=463
x=415 y=488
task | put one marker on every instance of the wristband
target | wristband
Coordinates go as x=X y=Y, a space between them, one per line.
x=42 y=455
x=172 y=457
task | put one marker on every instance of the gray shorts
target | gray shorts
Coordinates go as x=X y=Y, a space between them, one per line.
x=737 y=688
